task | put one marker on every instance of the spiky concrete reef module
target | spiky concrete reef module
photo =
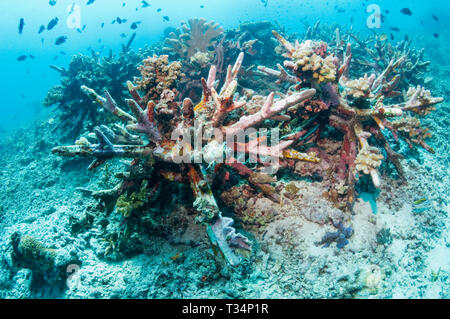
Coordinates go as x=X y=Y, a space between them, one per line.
x=319 y=97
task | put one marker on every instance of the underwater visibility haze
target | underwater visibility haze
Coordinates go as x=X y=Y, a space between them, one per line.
x=224 y=149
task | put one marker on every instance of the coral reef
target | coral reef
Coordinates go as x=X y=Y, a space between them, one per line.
x=333 y=126
x=110 y=72
x=195 y=36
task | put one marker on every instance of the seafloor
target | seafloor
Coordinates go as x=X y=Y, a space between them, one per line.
x=396 y=251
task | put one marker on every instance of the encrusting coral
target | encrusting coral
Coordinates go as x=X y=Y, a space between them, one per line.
x=109 y=72
x=316 y=100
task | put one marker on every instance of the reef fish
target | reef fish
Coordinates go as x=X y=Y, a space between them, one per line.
x=22 y=58
x=52 y=2
x=89 y=2
x=41 y=29
x=383 y=37
x=145 y=4
x=406 y=11
x=435 y=18
x=61 y=40
x=21 y=25
x=166 y=18
x=52 y=23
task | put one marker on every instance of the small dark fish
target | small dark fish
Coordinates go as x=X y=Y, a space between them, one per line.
x=435 y=35
x=52 y=23
x=119 y=20
x=114 y=21
x=145 y=4
x=395 y=29
x=21 y=25
x=55 y=57
x=435 y=18
x=406 y=38
x=406 y=11
x=103 y=24
x=202 y=6
x=52 y=2
x=32 y=56
x=158 y=10
x=392 y=36
x=41 y=29
x=61 y=40
x=123 y=35
x=124 y=20
x=23 y=96
x=22 y=58
x=79 y=30
x=387 y=11
x=166 y=18
x=89 y=2
x=123 y=4
x=133 y=26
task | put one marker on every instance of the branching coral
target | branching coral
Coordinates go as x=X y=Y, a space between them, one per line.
x=110 y=72
x=309 y=60
x=193 y=37
x=316 y=102
x=160 y=146
x=361 y=110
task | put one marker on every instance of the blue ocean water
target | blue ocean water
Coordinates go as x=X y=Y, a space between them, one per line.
x=32 y=78
x=381 y=231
